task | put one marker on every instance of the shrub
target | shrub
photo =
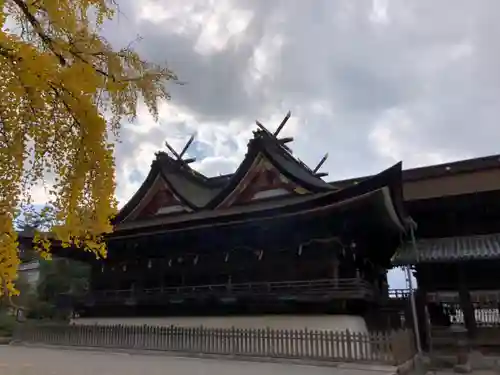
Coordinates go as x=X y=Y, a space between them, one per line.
x=7 y=324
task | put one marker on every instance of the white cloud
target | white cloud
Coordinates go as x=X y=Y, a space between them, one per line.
x=379 y=11
x=393 y=137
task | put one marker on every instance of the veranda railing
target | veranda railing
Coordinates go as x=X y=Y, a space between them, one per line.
x=348 y=288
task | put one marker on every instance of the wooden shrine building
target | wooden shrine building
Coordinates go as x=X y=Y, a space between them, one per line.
x=273 y=237
x=457 y=257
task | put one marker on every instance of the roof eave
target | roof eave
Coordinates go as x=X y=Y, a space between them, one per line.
x=132 y=203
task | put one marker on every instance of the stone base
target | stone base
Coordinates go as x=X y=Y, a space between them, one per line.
x=463 y=368
x=353 y=323
x=477 y=360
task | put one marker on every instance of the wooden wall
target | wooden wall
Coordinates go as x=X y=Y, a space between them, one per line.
x=454 y=184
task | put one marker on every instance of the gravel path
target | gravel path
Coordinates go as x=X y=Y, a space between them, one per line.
x=18 y=360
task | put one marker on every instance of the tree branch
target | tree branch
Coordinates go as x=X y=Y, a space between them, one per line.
x=38 y=28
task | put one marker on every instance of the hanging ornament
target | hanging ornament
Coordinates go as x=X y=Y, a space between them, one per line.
x=150 y=263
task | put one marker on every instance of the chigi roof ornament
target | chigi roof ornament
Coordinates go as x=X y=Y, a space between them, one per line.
x=179 y=156
x=320 y=164
x=280 y=127
x=283 y=141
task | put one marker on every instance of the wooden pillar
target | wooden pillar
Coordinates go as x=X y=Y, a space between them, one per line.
x=335 y=270
x=95 y=272
x=114 y=276
x=422 y=275
x=466 y=302
x=162 y=273
x=423 y=323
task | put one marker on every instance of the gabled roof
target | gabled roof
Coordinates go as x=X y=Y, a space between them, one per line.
x=372 y=207
x=198 y=192
x=384 y=188
x=190 y=189
x=264 y=145
x=291 y=167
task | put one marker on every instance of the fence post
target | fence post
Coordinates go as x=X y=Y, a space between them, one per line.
x=348 y=342
x=395 y=343
x=232 y=341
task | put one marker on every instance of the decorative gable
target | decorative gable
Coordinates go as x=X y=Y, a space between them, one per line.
x=263 y=181
x=163 y=202
x=159 y=200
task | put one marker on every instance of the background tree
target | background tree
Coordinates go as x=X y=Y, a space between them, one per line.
x=63 y=92
x=62 y=281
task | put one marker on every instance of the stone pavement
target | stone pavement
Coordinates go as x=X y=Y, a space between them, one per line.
x=451 y=372
x=20 y=360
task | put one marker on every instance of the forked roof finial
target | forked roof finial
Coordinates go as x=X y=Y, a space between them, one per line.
x=319 y=165
x=280 y=127
x=179 y=156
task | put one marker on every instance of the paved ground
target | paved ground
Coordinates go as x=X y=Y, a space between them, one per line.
x=18 y=360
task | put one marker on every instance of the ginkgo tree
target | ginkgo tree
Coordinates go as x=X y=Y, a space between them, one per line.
x=64 y=90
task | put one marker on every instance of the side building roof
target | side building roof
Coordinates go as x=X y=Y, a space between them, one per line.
x=437 y=170
x=449 y=250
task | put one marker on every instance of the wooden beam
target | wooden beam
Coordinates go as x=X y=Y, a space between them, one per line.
x=285 y=140
x=262 y=127
x=283 y=123
x=186 y=146
x=321 y=162
x=172 y=150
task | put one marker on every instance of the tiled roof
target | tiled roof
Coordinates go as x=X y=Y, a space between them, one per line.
x=449 y=249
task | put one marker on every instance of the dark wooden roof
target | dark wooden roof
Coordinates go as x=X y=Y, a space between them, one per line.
x=373 y=207
x=382 y=190
x=198 y=192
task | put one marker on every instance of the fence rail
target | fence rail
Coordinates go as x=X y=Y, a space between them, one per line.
x=392 y=347
x=399 y=293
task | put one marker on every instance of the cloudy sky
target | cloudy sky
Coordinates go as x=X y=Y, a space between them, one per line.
x=370 y=82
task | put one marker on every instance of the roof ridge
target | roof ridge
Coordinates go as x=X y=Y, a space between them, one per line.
x=437 y=170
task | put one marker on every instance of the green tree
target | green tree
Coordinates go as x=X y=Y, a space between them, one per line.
x=62 y=281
